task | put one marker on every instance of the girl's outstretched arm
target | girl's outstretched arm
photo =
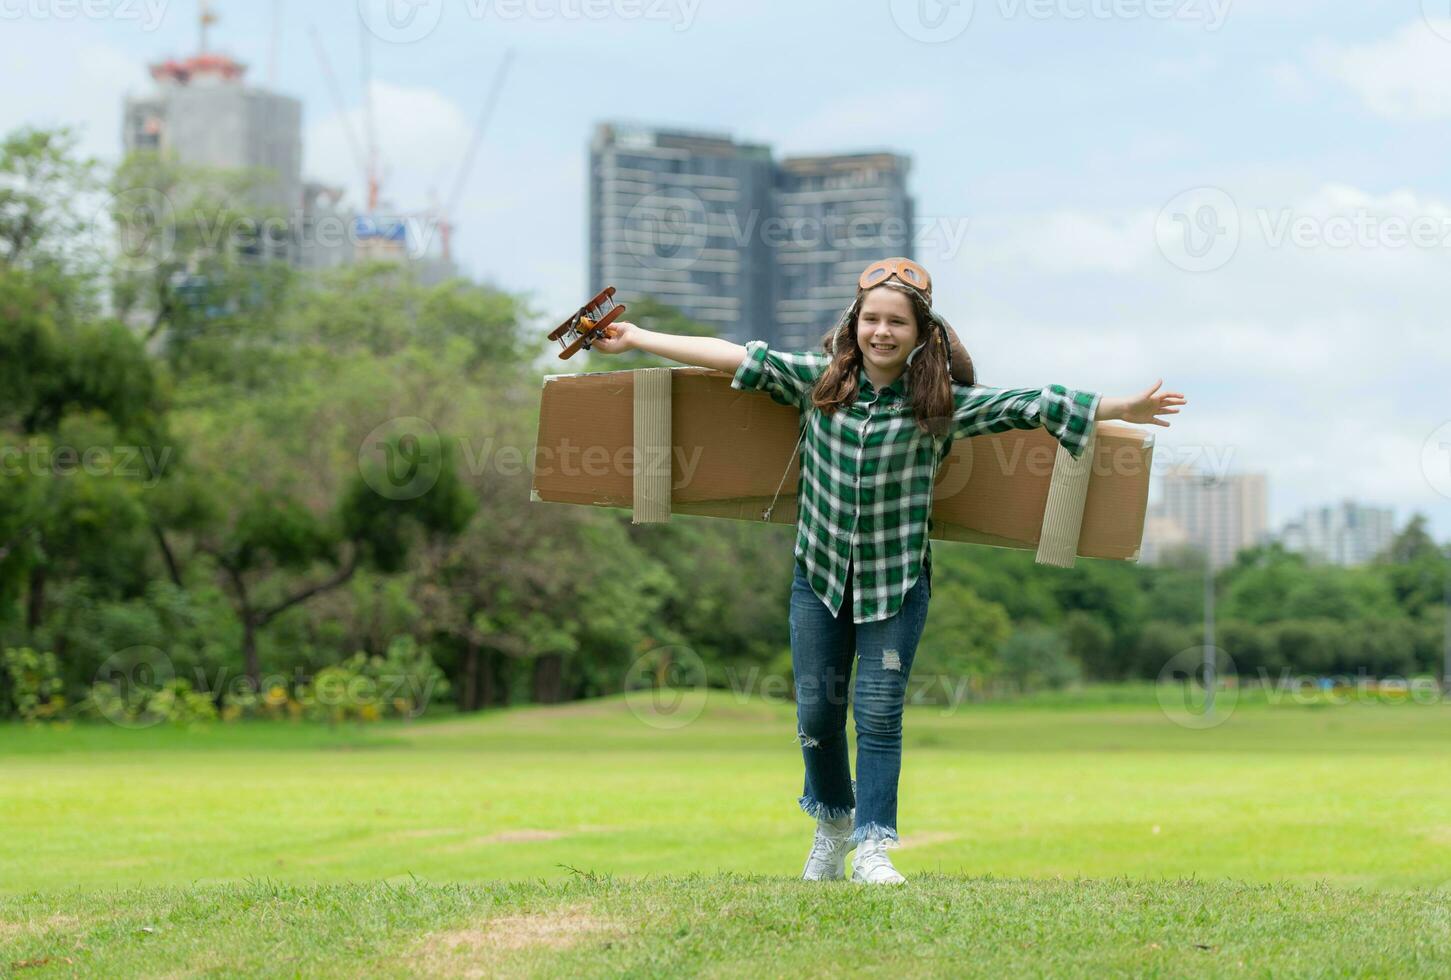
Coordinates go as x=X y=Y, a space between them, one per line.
x=1144 y=407
x=709 y=352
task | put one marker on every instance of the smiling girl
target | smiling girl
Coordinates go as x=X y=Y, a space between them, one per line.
x=881 y=404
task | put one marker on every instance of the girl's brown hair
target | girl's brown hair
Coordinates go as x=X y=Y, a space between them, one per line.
x=929 y=381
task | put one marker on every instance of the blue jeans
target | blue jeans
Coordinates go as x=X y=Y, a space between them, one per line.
x=822 y=649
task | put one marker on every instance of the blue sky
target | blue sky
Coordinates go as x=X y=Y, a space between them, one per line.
x=1247 y=198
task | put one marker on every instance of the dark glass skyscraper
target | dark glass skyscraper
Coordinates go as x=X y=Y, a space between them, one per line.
x=718 y=229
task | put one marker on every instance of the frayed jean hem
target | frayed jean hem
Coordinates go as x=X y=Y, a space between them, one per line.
x=823 y=811
x=875 y=831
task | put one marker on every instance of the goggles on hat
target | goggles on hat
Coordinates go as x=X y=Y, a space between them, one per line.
x=904 y=270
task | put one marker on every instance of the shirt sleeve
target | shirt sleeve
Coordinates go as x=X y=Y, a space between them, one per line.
x=788 y=376
x=1066 y=413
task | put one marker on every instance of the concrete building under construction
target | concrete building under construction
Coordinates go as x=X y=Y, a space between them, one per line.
x=203 y=112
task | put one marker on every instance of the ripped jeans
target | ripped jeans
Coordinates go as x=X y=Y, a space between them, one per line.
x=822 y=649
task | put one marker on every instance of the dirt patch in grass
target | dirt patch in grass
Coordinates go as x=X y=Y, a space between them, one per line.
x=38 y=927
x=473 y=952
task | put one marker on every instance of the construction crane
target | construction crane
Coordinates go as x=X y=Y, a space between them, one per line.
x=366 y=154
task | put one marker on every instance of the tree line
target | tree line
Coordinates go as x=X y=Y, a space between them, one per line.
x=227 y=483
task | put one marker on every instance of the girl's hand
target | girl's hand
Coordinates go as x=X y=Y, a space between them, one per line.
x=1145 y=407
x=616 y=338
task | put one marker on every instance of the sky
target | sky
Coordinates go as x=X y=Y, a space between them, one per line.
x=1247 y=199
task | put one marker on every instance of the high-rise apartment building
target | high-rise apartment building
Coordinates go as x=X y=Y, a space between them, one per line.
x=673 y=215
x=837 y=214
x=749 y=246
x=1345 y=534
x=1224 y=514
x=204 y=114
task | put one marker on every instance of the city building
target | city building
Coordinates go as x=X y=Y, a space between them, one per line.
x=754 y=248
x=202 y=112
x=838 y=215
x=1224 y=514
x=1346 y=533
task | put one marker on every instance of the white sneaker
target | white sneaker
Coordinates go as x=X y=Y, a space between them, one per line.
x=827 y=860
x=872 y=866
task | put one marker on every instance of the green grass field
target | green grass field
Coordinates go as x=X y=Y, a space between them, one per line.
x=1076 y=835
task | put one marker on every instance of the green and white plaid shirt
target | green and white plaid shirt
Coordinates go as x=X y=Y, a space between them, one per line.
x=865 y=497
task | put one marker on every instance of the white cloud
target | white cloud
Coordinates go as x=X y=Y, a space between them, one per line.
x=68 y=80
x=1406 y=76
x=864 y=120
x=421 y=138
x=1314 y=363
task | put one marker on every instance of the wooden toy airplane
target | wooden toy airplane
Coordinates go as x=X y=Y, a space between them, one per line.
x=587 y=323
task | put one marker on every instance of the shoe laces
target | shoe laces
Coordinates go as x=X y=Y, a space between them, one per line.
x=826 y=846
x=871 y=858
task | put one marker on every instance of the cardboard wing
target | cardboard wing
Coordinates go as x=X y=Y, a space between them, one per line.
x=682 y=440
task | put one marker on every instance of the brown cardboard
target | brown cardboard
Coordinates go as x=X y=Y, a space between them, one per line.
x=731 y=447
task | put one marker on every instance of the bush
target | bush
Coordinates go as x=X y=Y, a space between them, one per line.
x=364 y=688
x=138 y=706
x=32 y=685
x=1037 y=657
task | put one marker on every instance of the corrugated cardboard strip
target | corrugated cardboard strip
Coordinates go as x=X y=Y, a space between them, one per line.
x=651 y=501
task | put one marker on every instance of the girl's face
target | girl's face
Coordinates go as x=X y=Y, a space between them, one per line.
x=886 y=329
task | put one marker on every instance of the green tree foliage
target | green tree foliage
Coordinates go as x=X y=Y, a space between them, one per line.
x=257 y=474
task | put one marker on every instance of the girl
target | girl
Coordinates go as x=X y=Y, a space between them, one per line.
x=882 y=403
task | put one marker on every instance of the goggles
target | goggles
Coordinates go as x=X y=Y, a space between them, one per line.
x=904 y=270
